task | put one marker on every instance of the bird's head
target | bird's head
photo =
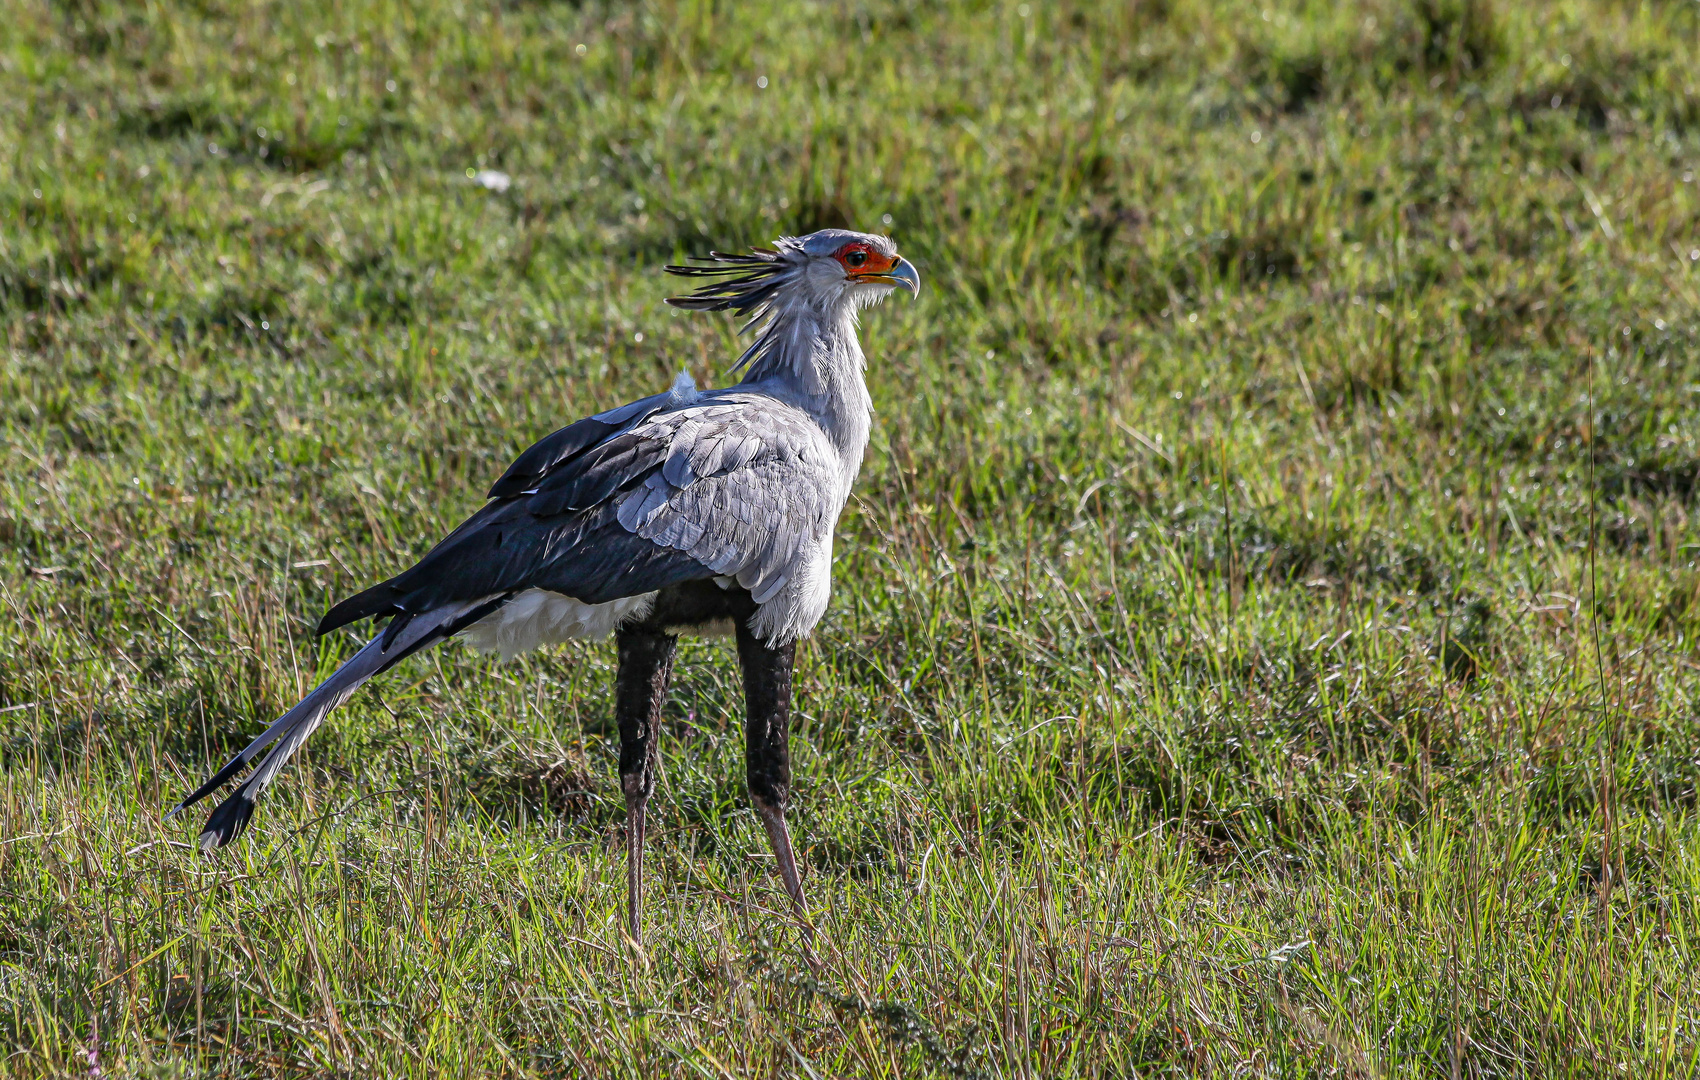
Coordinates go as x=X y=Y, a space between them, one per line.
x=826 y=270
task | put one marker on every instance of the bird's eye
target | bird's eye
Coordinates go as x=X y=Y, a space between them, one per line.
x=856 y=258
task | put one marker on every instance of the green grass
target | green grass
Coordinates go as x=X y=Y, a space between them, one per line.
x=1264 y=640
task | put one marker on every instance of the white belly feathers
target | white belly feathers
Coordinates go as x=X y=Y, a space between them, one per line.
x=536 y=617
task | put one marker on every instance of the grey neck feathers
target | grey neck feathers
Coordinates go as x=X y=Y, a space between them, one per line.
x=813 y=351
x=813 y=358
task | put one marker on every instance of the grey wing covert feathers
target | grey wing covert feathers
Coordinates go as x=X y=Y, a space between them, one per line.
x=653 y=494
x=748 y=489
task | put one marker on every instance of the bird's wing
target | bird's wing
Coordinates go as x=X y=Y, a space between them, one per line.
x=749 y=489
x=631 y=501
x=553 y=451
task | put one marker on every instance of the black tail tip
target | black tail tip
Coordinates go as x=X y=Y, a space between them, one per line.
x=228 y=822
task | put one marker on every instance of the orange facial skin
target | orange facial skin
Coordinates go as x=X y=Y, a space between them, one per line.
x=859 y=260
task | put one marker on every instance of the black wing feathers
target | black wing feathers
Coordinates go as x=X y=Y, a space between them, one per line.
x=377 y=601
x=551 y=525
x=547 y=453
x=619 y=464
x=550 y=453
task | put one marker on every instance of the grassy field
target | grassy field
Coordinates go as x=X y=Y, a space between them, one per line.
x=1264 y=641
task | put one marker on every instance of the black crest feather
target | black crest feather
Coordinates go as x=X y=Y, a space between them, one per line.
x=741 y=283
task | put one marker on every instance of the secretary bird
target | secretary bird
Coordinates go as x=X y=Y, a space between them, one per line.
x=708 y=511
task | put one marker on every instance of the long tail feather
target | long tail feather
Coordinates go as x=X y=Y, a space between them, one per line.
x=290 y=730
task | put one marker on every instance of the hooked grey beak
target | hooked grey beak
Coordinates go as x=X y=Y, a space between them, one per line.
x=904 y=274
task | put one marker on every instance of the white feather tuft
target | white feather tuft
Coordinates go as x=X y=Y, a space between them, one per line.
x=684 y=391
